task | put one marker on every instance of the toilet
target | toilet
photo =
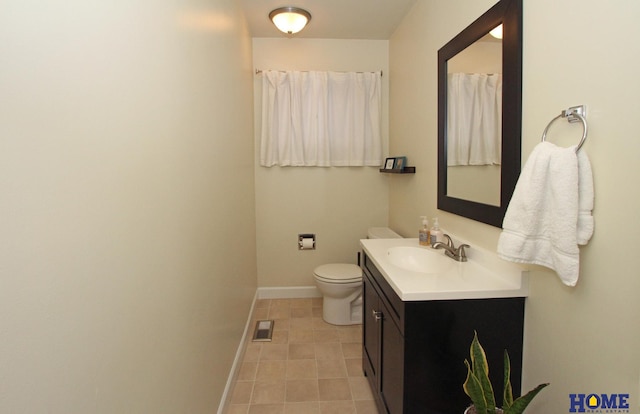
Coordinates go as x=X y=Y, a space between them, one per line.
x=341 y=286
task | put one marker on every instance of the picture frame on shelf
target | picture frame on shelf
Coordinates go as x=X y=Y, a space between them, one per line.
x=400 y=163
x=389 y=163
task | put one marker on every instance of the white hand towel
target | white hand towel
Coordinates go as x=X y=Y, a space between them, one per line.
x=585 y=198
x=541 y=222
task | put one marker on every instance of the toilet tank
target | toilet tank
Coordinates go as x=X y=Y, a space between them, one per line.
x=382 y=233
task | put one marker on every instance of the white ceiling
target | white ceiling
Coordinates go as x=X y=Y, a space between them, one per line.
x=332 y=19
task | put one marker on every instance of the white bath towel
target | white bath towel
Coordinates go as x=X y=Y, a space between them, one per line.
x=585 y=198
x=550 y=211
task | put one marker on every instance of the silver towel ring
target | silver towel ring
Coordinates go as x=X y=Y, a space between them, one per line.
x=573 y=114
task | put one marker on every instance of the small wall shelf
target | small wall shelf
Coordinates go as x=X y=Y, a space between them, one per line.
x=405 y=170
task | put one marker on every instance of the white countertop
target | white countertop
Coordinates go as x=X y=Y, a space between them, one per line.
x=483 y=276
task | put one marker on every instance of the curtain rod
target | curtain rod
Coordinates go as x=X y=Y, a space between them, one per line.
x=259 y=71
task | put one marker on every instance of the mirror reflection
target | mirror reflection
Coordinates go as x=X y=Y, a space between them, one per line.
x=480 y=115
x=474 y=121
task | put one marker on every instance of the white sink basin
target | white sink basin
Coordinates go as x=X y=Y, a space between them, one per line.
x=418 y=259
x=419 y=273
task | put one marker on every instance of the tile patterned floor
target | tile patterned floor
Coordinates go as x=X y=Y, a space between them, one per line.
x=309 y=366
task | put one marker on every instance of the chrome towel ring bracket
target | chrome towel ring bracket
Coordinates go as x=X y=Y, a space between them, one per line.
x=573 y=114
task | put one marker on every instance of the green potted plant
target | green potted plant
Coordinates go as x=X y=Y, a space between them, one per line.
x=478 y=387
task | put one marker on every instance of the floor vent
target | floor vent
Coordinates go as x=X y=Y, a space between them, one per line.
x=263 y=332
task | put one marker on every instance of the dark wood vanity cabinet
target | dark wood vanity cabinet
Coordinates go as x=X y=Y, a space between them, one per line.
x=414 y=351
x=381 y=333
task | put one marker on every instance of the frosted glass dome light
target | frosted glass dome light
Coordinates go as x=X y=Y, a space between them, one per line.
x=290 y=20
x=497 y=32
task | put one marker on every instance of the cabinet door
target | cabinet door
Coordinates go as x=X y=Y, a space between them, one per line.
x=371 y=333
x=391 y=365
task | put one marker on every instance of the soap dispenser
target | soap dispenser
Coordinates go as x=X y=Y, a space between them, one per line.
x=423 y=234
x=436 y=235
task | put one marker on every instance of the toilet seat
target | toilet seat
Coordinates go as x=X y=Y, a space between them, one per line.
x=338 y=273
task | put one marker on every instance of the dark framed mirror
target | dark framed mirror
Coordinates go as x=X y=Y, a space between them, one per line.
x=480 y=116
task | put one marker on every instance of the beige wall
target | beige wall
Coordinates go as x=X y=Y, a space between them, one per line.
x=338 y=204
x=127 y=253
x=583 y=339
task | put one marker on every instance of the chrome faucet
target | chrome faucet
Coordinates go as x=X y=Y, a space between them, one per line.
x=456 y=253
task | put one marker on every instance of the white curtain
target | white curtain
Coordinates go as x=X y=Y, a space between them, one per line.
x=474 y=119
x=321 y=119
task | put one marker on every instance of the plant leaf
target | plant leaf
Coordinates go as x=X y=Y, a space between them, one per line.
x=521 y=403
x=507 y=397
x=473 y=388
x=481 y=371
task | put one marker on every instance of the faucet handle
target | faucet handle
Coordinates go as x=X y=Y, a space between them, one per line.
x=462 y=255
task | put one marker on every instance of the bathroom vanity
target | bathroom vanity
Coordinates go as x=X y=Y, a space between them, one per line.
x=419 y=324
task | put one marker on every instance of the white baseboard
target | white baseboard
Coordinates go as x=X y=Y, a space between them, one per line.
x=288 y=292
x=235 y=367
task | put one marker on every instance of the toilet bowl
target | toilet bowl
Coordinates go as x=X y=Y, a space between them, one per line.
x=341 y=286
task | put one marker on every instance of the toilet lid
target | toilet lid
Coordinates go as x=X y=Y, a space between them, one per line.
x=339 y=272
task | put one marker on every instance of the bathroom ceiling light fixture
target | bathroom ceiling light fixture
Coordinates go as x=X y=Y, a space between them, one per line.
x=290 y=20
x=497 y=32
